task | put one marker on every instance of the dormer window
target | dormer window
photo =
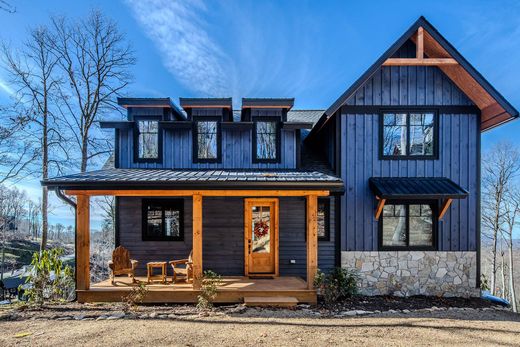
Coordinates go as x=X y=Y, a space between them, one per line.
x=206 y=140
x=266 y=140
x=147 y=140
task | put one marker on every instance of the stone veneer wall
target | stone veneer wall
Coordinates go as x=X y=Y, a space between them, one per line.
x=406 y=273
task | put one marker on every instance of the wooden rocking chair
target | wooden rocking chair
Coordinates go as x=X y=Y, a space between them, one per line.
x=183 y=268
x=121 y=264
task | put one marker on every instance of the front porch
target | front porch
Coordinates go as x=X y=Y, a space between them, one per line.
x=233 y=290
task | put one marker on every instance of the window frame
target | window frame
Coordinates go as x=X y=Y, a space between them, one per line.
x=195 y=140
x=408 y=156
x=434 y=205
x=138 y=159
x=171 y=203
x=254 y=141
x=326 y=201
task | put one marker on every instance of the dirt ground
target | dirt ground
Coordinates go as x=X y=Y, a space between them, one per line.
x=475 y=328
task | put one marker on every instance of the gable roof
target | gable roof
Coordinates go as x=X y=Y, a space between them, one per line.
x=494 y=107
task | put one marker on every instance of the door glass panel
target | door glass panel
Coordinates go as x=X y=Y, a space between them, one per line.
x=261 y=229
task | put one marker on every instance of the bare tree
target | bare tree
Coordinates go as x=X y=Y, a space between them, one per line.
x=7 y=7
x=511 y=215
x=500 y=167
x=95 y=58
x=32 y=71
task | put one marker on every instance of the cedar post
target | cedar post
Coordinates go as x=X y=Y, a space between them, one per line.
x=312 y=239
x=83 y=242
x=197 y=241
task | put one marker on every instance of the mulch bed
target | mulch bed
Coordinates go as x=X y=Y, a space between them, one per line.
x=386 y=303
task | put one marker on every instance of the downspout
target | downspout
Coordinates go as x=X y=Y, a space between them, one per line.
x=69 y=201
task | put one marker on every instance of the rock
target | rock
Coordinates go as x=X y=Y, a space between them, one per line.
x=88 y=318
x=172 y=316
x=349 y=313
x=79 y=316
x=143 y=316
x=362 y=312
x=441 y=273
x=64 y=318
x=153 y=314
x=406 y=311
x=162 y=316
x=101 y=318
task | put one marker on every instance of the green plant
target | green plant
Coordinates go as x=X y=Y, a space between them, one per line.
x=339 y=284
x=134 y=297
x=208 y=290
x=484 y=284
x=49 y=280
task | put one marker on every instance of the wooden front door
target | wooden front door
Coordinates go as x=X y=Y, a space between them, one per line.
x=261 y=237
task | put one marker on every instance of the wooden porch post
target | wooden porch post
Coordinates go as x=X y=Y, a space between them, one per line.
x=197 y=241
x=312 y=239
x=83 y=243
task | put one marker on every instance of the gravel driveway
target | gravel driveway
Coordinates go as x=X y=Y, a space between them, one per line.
x=491 y=327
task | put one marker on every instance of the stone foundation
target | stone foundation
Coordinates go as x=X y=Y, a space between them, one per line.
x=407 y=273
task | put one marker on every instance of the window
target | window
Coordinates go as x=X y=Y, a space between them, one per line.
x=266 y=141
x=407 y=226
x=163 y=220
x=147 y=141
x=324 y=219
x=409 y=135
x=206 y=140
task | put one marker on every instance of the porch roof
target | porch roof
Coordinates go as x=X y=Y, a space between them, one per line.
x=416 y=188
x=196 y=179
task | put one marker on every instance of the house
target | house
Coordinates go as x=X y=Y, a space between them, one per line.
x=385 y=181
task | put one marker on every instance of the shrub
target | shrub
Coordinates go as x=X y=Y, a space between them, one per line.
x=208 y=290
x=49 y=280
x=339 y=284
x=134 y=297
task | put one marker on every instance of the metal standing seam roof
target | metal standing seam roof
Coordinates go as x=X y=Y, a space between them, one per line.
x=416 y=188
x=215 y=179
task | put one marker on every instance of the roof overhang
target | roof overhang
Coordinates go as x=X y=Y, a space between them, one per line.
x=164 y=179
x=187 y=103
x=286 y=103
x=151 y=102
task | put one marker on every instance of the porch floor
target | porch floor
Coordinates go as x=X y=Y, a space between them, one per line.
x=233 y=290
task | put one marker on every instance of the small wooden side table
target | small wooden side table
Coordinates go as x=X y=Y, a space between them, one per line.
x=156 y=265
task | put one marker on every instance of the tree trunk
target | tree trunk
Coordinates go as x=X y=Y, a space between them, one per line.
x=45 y=175
x=84 y=154
x=511 y=274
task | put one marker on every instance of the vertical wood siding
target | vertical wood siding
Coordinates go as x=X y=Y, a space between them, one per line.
x=223 y=236
x=458 y=155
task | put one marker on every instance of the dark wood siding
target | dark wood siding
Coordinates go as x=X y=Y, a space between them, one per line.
x=458 y=155
x=223 y=236
x=177 y=148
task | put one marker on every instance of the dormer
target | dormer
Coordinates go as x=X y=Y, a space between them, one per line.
x=267 y=116
x=207 y=116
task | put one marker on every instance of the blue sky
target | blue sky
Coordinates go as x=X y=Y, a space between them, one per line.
x=310 y=50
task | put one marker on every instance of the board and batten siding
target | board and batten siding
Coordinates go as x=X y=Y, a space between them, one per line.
x=223 y=236
x=237 y=151
x=459 y=154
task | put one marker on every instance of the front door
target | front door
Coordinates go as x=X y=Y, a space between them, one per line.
x=261 y=237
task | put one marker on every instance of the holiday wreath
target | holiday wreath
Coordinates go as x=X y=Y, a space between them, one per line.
x=261 y=228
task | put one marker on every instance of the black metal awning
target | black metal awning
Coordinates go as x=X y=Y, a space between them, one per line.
x=416 y=188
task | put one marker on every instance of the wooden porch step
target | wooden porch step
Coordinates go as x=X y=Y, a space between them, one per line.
x=278 y=301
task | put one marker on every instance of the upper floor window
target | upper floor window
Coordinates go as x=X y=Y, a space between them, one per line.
x=412 y=135
x=163 y=220
x=406 y=225
x=148 y=140
x=206 y=140
x=266 y=141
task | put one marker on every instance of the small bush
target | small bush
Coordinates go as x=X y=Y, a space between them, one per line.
x=208 y=290
x=484 y=284
x=136 y=296
x=49 y=280
x=339 y=284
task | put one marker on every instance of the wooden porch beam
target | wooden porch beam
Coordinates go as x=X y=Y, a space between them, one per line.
x=197 y=241
x=420 y=43
x=445 y=206
x=83 y=243
x=154 y=192
x=312 y=239
x=380 y=206
x=419 y=62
